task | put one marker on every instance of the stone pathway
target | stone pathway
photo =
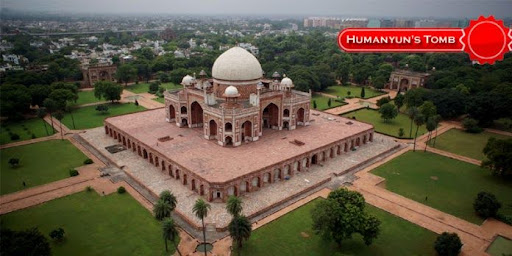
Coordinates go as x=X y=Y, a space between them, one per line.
x=357 y=103
x=144 y=99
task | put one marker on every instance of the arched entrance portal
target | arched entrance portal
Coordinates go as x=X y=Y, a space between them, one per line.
x=300 y=116
x=172 y=112
x=213 y=129
x=196 y=114
x=246 y=129
x=229 y=141
x=271 y=116
x=404 y=84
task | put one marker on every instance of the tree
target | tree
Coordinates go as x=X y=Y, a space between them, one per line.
x=41 y=113
x=499 y=157
x=51 y=106
x=59 y=115
x=103 y=108
x=412 y=113
x=486 y=205
x=38 y=93
x=329 y=102
x=428 y=109
x=399 y=101
x=57 y=234
x=419 y=120
x=162 y=209
x=14 y=100
x=431 y=126
x=30 y=242
x=388 y=111
x=201 y=209
x=234 y=206
x=348 y=93
x=126 y=73
x=169 y=198
x=314 y=104
x=414 y=97
x=14 y=162
x=153 y=87
x=342 y=215
x=240 y=229
x=382 y=101
x=108 y=90
x=170 y=233
x=362 y=93
x=448 y=244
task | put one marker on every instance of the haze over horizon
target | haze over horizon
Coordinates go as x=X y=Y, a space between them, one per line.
x=363 y=8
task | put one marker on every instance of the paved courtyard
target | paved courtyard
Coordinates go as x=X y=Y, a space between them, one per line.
x=271 y=195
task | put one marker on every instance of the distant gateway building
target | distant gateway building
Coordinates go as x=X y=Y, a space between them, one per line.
x=226 y=135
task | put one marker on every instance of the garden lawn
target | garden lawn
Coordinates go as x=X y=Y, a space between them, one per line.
x=391 y=127
x=321 y=102
x=144 y=87
x=89 y=117
x=500 y=246
x=34 y=126
x=86 y=97
x=355 y=91
x=291 y=234
x=161 y=100
x=94 y=225
x=40 y=163
x=450 y=185
x=466 y=144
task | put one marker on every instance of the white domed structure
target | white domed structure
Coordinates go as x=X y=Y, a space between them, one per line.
x=231 y=91
x=286 y=82
x=187 y=80
x=236 y=64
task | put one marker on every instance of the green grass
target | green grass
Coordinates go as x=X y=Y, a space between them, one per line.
x=86 y=97
x=94 y=225
x=500 y=246
x=33 y=126
x=321 y=102
x=450 y=185
x=284 y=237
x=144 y=87
x=466 y=144
x=355 y=91
x=391 y=127
x=161 y=100
x=40 y=163
x=88 y=117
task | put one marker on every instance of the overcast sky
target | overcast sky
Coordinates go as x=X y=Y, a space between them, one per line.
x=403 y=8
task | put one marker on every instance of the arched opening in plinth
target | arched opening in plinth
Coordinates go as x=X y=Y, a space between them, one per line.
x=300 y=116
x=277 y=175
x=157 y=163
x=172 y=112
x=270 y=116
x=266 y=178
x=358 y=142
x=229 y=141
x=256 y=182
x=196 y=114
x=177 y=174
x=212 y=125
x=184 y=122
x=365 y=139
x=183 y=110
x=185 y=180
x=193 y=184
x=145 y=154
x=201 y=190
x=286 y=125
x=163 y=166
x=314 y=159
x=286 y=113
x=232 y=191
x=170 y=172
x=246 y=129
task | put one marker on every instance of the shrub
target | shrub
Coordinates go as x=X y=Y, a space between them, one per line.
x=88 y=161
x=471 y=125
x=383 y=101
x=486 y=205
x=57 y=234
x=121 y=190
x=448 y=244
x=401 y=132
x=102 y=109
x=73 y=172
x=153 y=88
x=314 y=104
x=88 y=188
x=504 y=218
x=15 y=136
x=14 y=162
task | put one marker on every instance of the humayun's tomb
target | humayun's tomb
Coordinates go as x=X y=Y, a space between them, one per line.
x=236 y=132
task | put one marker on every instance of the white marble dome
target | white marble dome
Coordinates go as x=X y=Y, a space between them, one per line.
x=287 y=82
x=187 y=80
x=237 y=64
x=231 y=91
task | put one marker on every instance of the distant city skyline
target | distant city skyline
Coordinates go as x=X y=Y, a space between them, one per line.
x=362 y=8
